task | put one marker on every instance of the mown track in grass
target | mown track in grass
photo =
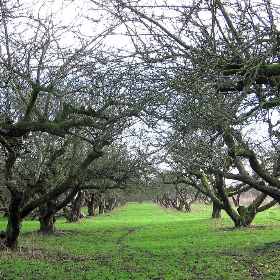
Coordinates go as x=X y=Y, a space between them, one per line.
x=144 y=241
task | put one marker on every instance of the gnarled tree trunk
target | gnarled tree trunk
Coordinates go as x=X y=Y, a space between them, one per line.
x=187 y=207
x=92 y=203
x=216 y=211
x=111 y=203
x=14 y=223
x=74 y=214
x=47 y=218
x=102 y=205
x=47 y=223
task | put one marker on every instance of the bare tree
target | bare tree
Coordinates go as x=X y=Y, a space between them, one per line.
x=59 y=83
x=219 y=63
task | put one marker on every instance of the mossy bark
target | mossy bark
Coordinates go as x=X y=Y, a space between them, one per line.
x=14 y=224
x=216 y=211
x=268 y=74
x=47 y=223
x=73 y=215
x=92 y=203
x=47 y=218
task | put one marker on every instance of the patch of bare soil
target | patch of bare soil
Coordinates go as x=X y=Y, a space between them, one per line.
x=128 y=231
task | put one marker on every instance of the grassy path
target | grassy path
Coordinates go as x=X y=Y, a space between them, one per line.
x=144 y=241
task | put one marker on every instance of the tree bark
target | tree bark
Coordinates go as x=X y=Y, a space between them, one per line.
x=91 y=211
x=92 y=203
x=188 y=207
x=239 y=221
x=47 y=223
x=47 y=218
x=14 y=223
x=102 y=206
x=74 y=214
x=111 y=203
x=216 y=211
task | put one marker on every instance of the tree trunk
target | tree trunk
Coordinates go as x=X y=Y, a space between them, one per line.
x=91 y=211
x=14 y=224
x=216 y=211
x=188 y=207
x=102 y=206
x=92 y=203
x=181 y=205
x=247 y=214
x=239 y=221
x=47 y=224
x=47 y=218
x=111 y=203
x=244 y=221
x=76 y=207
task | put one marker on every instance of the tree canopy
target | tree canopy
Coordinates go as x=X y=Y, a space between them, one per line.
x=196 y=84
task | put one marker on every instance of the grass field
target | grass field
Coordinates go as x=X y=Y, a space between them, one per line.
x=144 y=241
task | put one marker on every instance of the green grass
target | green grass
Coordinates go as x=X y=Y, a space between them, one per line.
x=145 y=241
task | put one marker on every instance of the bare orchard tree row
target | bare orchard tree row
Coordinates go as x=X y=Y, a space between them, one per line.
x=220 y=65
x=201 y=78
x=172 y=193
x=65 y=96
